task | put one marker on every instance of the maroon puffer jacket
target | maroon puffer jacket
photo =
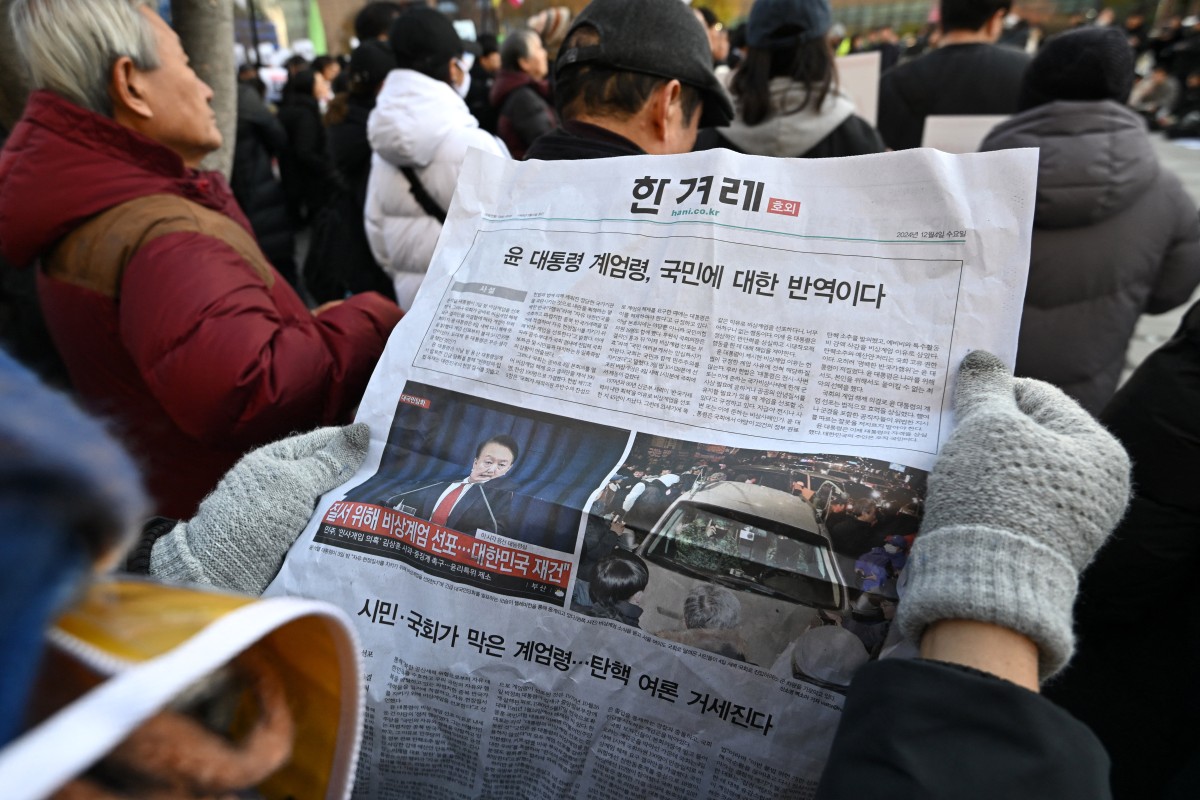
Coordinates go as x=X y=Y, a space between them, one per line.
x=197 y=350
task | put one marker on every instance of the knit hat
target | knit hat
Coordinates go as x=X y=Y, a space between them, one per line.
x=424 y=39
x=1083 y=64
x=776 y=24
x=370 y=64
x=551 y=25
x=654 y=37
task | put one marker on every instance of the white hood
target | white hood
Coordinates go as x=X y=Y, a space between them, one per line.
x=412 y=115
x=787 y=133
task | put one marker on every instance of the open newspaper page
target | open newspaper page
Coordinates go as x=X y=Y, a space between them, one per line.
x=648 y=457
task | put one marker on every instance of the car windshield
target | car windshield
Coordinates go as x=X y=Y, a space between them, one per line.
x=752 y=554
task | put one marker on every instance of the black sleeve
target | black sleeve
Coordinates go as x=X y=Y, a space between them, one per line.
x=923 y=729
x=137 y=561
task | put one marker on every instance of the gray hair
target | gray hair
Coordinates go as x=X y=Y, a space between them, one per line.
x=516 y=46
x=70 y=46
x=709 y=606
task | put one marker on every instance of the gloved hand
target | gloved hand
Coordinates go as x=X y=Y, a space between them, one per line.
x=242 y=531
x=1025 y=491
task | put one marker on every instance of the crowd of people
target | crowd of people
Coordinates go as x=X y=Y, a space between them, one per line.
x=373 y=178
x=174 y=305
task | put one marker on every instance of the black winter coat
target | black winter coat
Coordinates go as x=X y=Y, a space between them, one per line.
x=260 y=138
x=957 y=79
x=356 y=269
x=1138 y=652
x=308 y=175
x=923 y=730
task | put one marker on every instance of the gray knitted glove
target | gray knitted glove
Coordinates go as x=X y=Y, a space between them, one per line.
x=1025 y=491
x=242 y=531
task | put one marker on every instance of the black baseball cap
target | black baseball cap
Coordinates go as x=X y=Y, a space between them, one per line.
x=654 y=37
x=778 y=24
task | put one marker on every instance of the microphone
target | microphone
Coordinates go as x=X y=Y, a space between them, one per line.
x=488 y=505
x=388 y=501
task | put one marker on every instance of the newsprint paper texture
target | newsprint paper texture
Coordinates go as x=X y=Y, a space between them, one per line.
x=739 y=370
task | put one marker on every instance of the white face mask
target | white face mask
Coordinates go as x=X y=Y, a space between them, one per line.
x=464 y=87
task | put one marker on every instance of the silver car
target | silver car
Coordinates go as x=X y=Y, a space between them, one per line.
x=764 y=544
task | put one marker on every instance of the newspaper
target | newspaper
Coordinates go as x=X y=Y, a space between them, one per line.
x=738 y=369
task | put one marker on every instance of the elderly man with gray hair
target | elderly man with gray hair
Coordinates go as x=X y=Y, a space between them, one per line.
x=168 y=317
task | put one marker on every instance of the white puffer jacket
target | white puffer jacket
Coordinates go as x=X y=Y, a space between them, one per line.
x=421 y=123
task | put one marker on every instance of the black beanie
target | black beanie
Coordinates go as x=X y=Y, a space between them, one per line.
x=1084 y=64
x=424 y=40
x=370 y=64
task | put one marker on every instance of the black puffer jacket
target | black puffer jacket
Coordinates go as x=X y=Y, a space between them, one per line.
x=524 y=109
x=308 y=175
x=355 y=270
x=260 y=138
x=1114 y=236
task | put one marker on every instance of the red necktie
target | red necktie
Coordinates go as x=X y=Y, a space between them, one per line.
x=442 y=512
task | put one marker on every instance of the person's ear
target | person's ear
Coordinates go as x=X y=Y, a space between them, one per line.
x=127 y=90
x=996 y=23
x=664 y=104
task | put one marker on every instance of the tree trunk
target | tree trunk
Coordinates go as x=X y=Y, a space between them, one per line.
x=339 y=23
x=13 y=89
x=206 y=28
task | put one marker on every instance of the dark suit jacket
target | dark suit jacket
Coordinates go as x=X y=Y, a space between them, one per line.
x=471 y=511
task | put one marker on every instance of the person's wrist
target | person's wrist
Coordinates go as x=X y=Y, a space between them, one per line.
x=985 y=647
x=988 y=574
